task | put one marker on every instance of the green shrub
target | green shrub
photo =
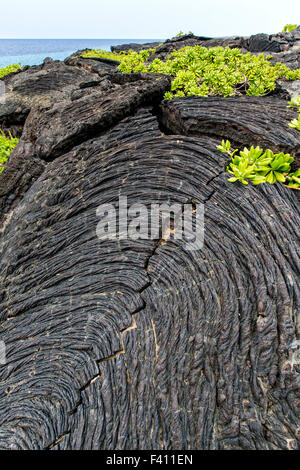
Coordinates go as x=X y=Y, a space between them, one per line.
x=9 y=69
x=199 y=71
x=7 y=144
x=289 y=27
x=293 y=179
x=181 y=33
x=257 y=166
x=103 y=54
x=295 y=102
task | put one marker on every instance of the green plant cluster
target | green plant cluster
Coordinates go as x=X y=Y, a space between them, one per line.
x=295 y=103
x=258 y=166
x=295 y=123
x=199 y=71
x=103 y=54
x=289 y=27
x=181 y=33
x=7 y=144
x=9 y=69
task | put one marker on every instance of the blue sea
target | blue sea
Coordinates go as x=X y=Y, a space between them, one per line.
x=34 y=51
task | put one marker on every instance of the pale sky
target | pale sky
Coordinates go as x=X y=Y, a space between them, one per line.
x=143 y=18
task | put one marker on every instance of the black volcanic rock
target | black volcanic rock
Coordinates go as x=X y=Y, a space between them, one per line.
x=245 y=121
x=134 y=46
x=103 y=335
x=145 y=344
x=263 y=42
x=40 y=85
x=275 y=43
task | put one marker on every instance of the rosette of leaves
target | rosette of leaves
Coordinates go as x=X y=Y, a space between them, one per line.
x=103 y=54
x=293 y=179
x=295 y=123
x=199 y=71
x=294 y=102
x=256 y=165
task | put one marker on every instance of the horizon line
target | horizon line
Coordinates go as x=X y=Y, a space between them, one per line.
x=90 y=39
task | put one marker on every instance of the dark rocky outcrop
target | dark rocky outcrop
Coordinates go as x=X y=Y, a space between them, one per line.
x=290 y=58
x=100 y=67
x=292 y=88
x=284 y=46
x=245 y=121
x=90 y=111
x=85 y=112
x=143 y=344
x=165 y=48
x=45 y=84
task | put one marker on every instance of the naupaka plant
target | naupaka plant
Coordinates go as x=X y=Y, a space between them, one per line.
x=289 y=27
x=295 y=123
x=295 y=103
x=9 y=69
x=7 y=144
x=258 y=166
x=202 y=71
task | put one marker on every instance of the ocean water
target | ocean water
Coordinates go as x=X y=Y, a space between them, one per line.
x=34 y=51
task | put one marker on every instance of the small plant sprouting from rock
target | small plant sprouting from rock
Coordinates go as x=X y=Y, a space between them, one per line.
x=289 y=27
x=295 y=103
x=181 y=33
x=7 y=144
x=9 y=69
x=295 y=123
x=103 y=54
x=294 y=179
x=258 y=166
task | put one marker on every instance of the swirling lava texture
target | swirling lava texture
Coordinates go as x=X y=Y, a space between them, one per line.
x=144 y=344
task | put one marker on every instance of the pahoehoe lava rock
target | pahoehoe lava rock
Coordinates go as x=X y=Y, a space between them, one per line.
x=144 y=344
x=88 y=111
x=244 y=120
x=45 y=84
x=91 y=110
x=165 y=48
